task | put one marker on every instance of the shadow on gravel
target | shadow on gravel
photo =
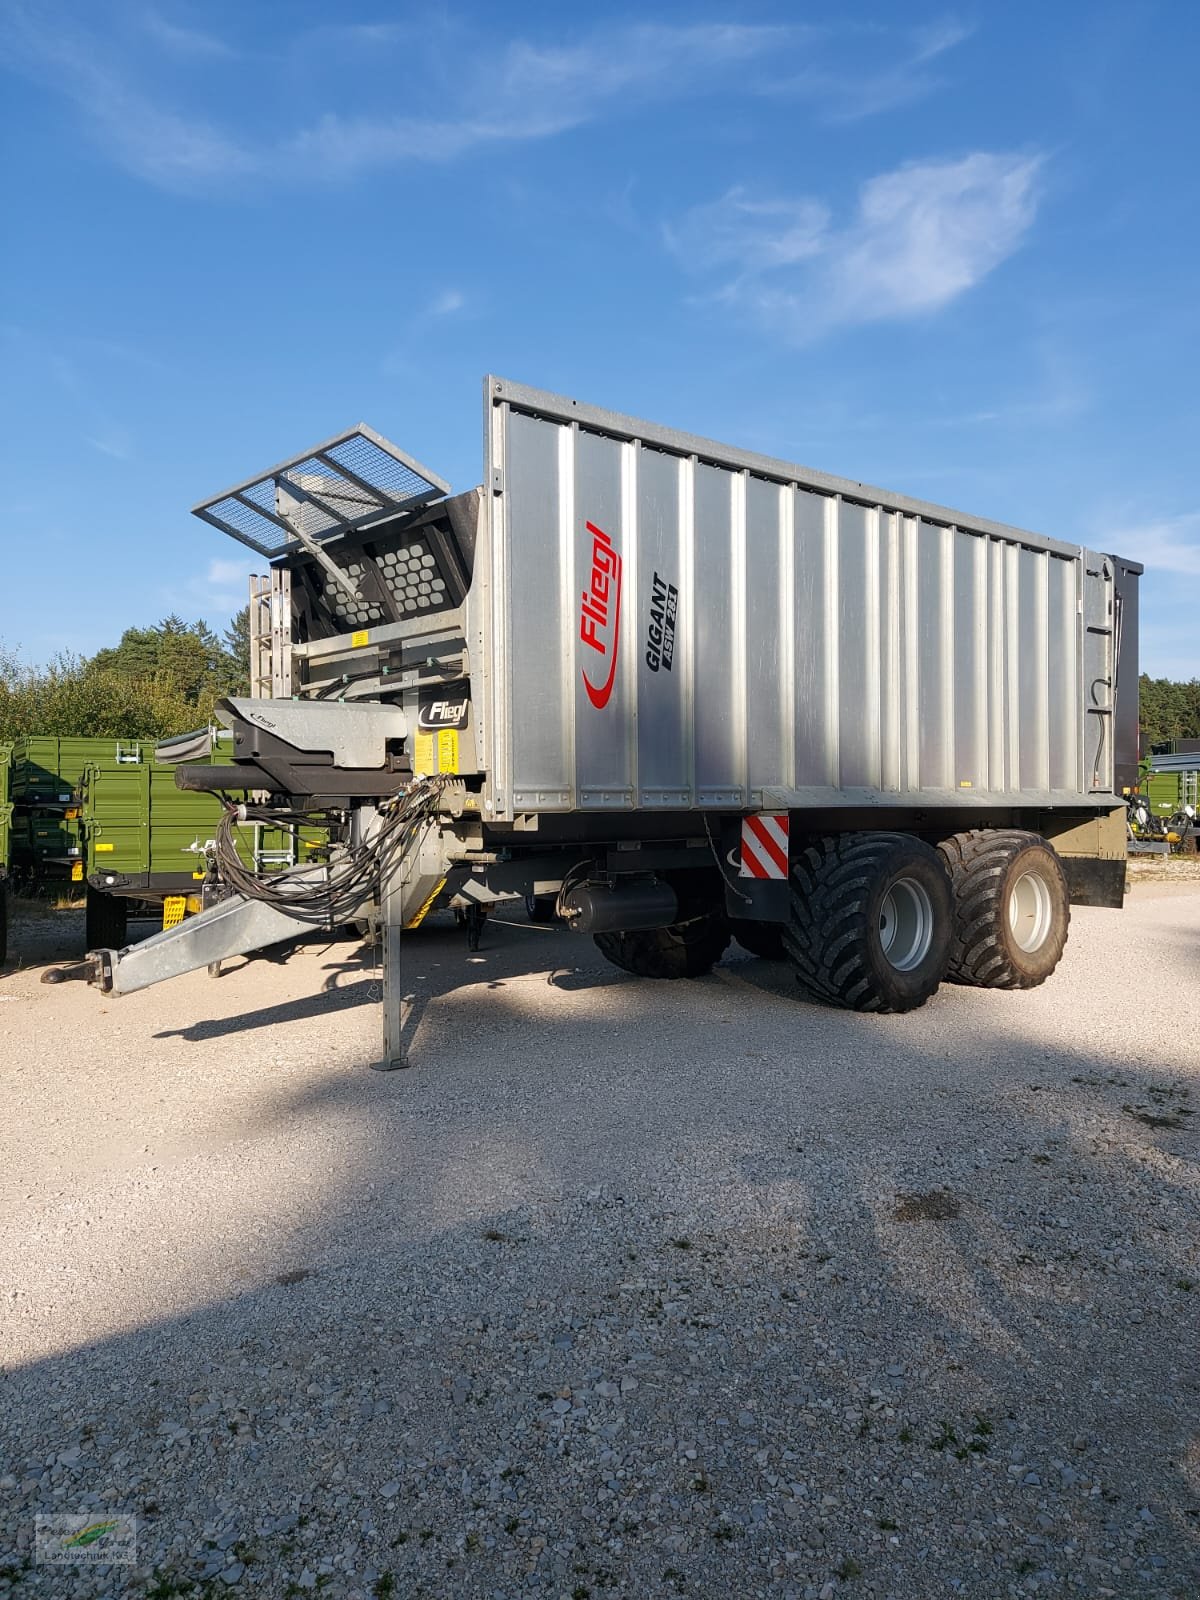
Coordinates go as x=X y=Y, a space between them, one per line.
x=683 y=1289
x=331 y=999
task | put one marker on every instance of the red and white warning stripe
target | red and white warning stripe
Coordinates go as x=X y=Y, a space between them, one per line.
x=765 y=845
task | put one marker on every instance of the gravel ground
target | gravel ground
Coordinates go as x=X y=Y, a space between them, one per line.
x=626 y=1289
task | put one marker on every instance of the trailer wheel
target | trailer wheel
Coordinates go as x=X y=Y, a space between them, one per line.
x=105 y=920
x=684 y=950
x=872 y=918
x=541 y=907
x=763 y=939
x=1012 y=908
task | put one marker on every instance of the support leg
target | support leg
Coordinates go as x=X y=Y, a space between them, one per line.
x=476 y=916
x=397 y=1006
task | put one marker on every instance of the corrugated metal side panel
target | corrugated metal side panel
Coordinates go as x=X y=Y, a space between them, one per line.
x=838 y=651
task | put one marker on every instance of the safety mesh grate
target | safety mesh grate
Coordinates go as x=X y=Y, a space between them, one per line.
x=342 y=484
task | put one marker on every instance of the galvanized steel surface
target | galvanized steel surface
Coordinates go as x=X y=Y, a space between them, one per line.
x=671 y=624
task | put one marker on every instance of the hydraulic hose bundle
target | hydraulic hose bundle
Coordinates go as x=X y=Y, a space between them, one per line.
x=333 y=894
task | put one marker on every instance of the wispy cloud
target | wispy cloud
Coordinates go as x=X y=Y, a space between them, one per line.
x=1170 y=544
x=921 y=236
x=1169 y=549
x=219 y=591
x=224 y=574
x=750 y=235
x=508 y=93
x=849 y=94
x=112 y=440
x=189 y=44
x=405 y=359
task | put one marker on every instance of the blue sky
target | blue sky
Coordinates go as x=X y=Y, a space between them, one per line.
x=949 y=251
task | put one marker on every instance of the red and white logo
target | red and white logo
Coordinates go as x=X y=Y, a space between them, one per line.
x=765 y=845
x=600 y=616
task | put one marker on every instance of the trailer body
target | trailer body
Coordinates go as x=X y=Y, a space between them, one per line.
x=47 y=771
x=591 y=675
x=672 y=625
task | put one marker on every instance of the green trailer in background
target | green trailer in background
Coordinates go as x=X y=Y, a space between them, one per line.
x=145 y=840
x=106 y=816
x=1169 y=792
x=47 y=843
x=5 y=843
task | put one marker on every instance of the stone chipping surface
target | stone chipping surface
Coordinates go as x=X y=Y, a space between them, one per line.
x=625 y=1289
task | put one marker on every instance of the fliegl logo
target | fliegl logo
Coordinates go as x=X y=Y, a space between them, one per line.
x=600 y=616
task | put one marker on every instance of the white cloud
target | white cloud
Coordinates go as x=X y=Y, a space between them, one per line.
x=447 y=303
x=223 y=574
x=517 y=92
x=1169 y=599
x=864 y=90
x=926 y=233
x=187 y=43
x=110 y=439
x=922 y=236
x=749 y=234
x=1171 y=544
x=222 y=589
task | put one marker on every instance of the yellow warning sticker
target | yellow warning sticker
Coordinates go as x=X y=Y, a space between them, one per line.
x=173 y=908
x=435 y=752
x=423 y=754
x=77 y=872
x=199 y=876
x=965 y=783
x=100 y=847
x=359 y=637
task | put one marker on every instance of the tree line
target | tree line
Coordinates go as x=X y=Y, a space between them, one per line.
x=1168 y=710
x=156 y=682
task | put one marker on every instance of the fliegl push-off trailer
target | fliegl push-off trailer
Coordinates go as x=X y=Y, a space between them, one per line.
x=682 y=694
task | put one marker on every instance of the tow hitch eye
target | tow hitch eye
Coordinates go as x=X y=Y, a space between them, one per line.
x=95 y=968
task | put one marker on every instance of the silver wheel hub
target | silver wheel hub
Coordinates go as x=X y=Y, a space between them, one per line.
x=1030 y=912
x=905 y=924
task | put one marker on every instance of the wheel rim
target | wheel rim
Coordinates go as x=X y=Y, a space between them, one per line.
x=905 y=924
x=1030 y=912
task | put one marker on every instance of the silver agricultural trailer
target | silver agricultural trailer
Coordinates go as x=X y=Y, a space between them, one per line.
x=673 y=693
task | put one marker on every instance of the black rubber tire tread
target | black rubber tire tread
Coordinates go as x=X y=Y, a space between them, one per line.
x=685 y=950
x=764 y=939
x=3 y=922
x=541 y=907
x=832 y=939
x=105 y=920
x=983 y=862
